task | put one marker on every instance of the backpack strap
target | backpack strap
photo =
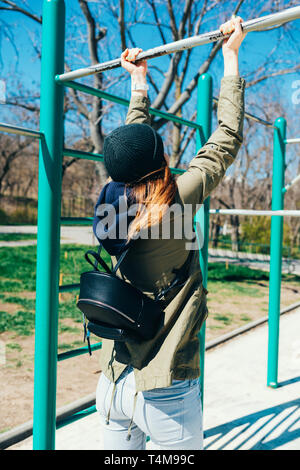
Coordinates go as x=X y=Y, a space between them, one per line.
x=100 y=260
x=180 y=277
x=120 y=261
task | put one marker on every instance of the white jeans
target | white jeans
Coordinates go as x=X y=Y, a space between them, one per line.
x=171 y=416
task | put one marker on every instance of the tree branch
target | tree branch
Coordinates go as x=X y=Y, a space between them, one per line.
x=273 y=74
x=121 y=21
x=158 y=23
x=12 y=6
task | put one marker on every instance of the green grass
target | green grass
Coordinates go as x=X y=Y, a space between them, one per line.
x=225 y=319
x=245 y=318
x=67 y=329
x=218 y=272
x=234 y=289
x=20 y=322
x=14 y=346
x=16 y=237
x=18 y=268
x=69 y=346
x=18 y=274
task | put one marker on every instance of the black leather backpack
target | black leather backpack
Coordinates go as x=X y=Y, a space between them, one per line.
x=114 y=308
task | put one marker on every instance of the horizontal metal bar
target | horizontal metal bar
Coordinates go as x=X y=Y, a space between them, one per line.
x=177 y=171
x=252 y=117
x=116 y=99
x=68 y=287
x=155 y=112
x=257 y=24
x=84 y=155
x=290 y=213
x=289 y=185
x=20 y=131
x=99 y=157
x=292 y=141
x=76 y=416
x=76 y=220
x=78 y=352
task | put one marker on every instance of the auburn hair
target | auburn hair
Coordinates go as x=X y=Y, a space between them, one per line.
x=152 y=194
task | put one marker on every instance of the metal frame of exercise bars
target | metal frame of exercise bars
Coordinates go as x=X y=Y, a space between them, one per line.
x=49 y=220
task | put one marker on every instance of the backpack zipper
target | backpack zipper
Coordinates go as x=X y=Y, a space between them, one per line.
x=109 y=306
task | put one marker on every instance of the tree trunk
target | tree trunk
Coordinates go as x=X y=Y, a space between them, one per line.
x=215 y=232
x=176 y=129
x=235 y=234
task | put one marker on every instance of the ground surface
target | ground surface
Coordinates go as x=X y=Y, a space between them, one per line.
x=78 y=377
x=231 y=304
x=240 y=411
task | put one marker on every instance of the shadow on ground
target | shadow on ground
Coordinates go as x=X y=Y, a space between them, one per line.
x=264 y=430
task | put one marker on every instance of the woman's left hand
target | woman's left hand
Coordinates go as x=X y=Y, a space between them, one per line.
x=135 y=69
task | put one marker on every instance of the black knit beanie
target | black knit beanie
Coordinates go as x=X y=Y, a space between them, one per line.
x=133 y=151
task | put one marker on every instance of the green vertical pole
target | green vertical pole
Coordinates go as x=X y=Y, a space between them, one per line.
x=204 y=117
x=48 y=242
x=276 y=250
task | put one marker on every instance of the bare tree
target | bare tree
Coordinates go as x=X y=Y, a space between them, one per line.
x=173 y=21
x=103 y=25
x=11 y=149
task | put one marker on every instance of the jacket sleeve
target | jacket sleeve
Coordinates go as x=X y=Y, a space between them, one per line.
x=138 y=112
x=208 y=167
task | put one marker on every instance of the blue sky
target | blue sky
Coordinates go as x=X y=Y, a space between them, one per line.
x=22 y=61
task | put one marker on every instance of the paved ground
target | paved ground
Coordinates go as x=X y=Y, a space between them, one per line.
x=240 y=411
x=252 y=260
x=80 y=234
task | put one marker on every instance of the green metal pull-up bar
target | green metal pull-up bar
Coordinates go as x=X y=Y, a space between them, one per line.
x=20 y=131
x=257 y=24
x=289 y=185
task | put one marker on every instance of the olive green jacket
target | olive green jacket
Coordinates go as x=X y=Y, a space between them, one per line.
x=149 y=264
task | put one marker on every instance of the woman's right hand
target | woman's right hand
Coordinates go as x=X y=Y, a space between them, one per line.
x=232 y=44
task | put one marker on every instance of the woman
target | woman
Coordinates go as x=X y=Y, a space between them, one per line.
x=152 y=388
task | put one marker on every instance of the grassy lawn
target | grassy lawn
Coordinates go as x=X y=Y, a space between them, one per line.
x=17 y=287
x=237 y=294
x=16 y=237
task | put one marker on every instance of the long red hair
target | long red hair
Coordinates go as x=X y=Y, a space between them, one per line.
x=153 y=194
